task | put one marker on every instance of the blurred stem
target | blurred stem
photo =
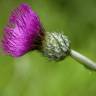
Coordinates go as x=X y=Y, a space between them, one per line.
x=82 y=59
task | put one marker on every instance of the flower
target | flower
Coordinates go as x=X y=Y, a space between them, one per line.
x=23 y=33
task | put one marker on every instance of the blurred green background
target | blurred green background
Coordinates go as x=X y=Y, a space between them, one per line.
x=35 y=75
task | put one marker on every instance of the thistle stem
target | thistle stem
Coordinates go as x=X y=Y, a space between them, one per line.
x=82 y=59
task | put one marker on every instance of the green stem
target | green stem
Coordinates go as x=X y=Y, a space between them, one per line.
x=84 y=60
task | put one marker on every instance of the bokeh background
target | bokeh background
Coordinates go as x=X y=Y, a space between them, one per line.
x=35 y=75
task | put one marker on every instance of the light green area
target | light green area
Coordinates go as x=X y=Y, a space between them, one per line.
x=35 y=75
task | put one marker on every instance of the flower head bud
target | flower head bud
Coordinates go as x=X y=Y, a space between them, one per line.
x=56 y=46
x=23 y=32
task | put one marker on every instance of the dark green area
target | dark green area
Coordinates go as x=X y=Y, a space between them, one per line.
x=35 y=75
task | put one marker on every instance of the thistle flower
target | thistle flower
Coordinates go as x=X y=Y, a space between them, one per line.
x=23 y=32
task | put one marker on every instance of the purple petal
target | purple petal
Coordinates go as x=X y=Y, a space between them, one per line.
x=22 y=31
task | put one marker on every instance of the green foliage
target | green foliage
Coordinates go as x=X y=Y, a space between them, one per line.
x=35 y=75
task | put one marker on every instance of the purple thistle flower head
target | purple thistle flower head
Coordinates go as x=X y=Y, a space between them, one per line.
x=23 y=32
